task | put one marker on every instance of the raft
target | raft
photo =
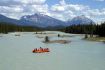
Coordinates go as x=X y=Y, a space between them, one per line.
x=40 y=50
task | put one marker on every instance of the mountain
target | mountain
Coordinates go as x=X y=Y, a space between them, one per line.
x=14 y=21
x=8 y=20
x=41 y=20
x=44 y=21
x=80 y=20
x=36 y=20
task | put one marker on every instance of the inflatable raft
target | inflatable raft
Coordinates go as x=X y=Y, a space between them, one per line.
x=40 y=50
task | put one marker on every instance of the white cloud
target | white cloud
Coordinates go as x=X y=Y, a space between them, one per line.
x=99 y=0
x=61 y=10
x=62 y=2
x=57 y=8
x=18 y=8
x=68 y=11
x=13 y=9
x=20 y=2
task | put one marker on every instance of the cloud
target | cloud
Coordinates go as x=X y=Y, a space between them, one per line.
x=62 y=6
x=68 y=11
x=61 y=10
x=62 y=2
x=6 y=9
x=20 y=2
x=99 y=0
x=18 y=8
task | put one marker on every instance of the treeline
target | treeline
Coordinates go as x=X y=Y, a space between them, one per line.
x=86 y=29
x=6 y=27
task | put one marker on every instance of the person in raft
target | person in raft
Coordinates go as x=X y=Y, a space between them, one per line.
x=40 y=50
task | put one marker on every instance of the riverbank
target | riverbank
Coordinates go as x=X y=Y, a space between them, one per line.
x=59 y=41
x=99 y=39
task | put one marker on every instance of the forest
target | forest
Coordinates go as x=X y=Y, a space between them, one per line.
x=6 y=27
x=93 y=29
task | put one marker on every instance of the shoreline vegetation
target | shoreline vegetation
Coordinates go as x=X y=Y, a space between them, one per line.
x=91 y=32
x=94 y=38
x=58 y=41
x=5 y=28
x=91 y=29
x=98 y=39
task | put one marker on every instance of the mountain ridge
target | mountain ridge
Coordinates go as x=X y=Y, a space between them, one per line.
x=81 y=20
x=45 y=21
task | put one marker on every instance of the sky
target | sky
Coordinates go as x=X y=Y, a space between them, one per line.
x=59 y=9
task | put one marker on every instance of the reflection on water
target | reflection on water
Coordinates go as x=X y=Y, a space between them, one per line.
x=16 y=53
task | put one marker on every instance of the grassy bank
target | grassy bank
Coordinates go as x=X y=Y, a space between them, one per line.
x=99 y=39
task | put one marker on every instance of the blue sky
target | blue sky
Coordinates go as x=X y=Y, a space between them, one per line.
x=60 y=9
x=92 y=3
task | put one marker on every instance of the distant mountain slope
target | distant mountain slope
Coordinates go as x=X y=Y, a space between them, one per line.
x=42 y=20
x=80 y=20
x=37 y=20
x=14 y=21
x=8 y=20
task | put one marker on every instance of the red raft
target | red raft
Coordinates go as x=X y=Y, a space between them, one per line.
x=40 y=50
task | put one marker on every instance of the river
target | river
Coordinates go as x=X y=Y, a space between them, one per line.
x=16 y=52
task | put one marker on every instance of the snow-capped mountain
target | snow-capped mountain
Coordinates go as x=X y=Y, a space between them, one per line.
x=44 y=21
x=80 y=20
x=37 y=20
x=41 y=20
